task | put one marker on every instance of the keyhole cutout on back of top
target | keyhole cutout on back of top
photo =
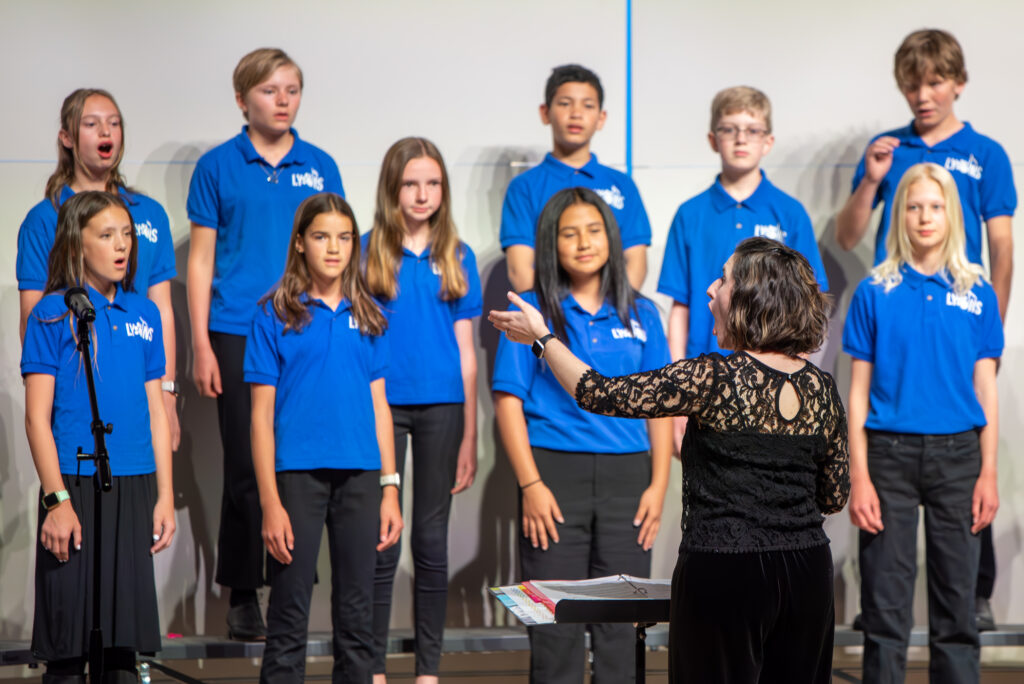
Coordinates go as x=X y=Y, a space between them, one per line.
x=788 y=400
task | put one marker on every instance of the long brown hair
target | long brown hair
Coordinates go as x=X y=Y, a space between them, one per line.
x=296 y=281
x=384 y=251
x=67 y=159
x=67 y=263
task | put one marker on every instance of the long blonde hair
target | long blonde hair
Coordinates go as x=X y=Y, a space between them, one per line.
x=960 y=270
x=286 y=297
x=67 y=159
x=384 y=251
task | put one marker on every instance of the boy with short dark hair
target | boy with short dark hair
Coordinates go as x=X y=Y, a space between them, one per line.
x=930 y=72
x=574 y=108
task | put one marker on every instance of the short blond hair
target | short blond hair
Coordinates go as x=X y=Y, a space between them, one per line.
x=258 y=65
x=741 y=99
x=929 y=51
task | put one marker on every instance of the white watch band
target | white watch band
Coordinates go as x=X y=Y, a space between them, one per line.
x=392 y=479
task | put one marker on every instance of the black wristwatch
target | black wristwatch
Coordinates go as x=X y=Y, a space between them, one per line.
x=538 y=345
x=54 y=499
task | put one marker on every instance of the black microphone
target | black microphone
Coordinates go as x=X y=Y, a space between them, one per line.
x=77 y=300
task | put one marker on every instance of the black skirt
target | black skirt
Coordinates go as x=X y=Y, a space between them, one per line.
x=64 y=591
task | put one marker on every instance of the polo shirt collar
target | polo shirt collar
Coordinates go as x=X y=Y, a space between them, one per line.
x=130 y=198
x=101 y=302
x=908 y=136
x=296 y=155
x=343 y=306
x=916 y=279
x=563 y=169
x=605 y=311
x=760 y=199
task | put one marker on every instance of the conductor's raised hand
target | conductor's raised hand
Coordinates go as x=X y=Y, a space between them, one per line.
x=523 y=326
x=540 y=513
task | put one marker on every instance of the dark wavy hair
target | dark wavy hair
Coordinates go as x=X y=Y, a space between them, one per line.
x=776 y=303
x=552 y=283
x=286 y=297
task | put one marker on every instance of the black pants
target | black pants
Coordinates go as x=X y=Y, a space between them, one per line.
x=436 y=431
x=348 y=502
x=986 y=565
x=239 y=542
x=746 y=618
x=598 y=495
x=938 y=472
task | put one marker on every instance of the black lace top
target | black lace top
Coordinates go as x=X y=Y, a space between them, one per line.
x=753 y=480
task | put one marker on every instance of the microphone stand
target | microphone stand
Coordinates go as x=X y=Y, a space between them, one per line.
x=102 y=481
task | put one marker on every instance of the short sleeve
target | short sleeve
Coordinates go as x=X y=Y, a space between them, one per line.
x=203 y=204
x=164 y=267
x=656 y=352
x=674 y=279
x=637 y=227
x=40 y=353
x=518 y=222
x=35 y=240
x=470 y=304
x=804 y=242
x=514 y=367
x=991 y=330
x=262 y=364
x=156 y=361
x=858 y=176
x=998 y=194
x=859 y=329
x=381 y=355
x=332 y=176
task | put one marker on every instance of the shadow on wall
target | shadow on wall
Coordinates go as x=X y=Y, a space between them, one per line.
x=495 y=562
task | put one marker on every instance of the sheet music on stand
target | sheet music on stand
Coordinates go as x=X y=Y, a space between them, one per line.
x=618 y=598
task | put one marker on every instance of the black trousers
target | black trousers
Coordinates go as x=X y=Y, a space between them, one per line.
x=938 y=472
x=348 y=502
x=239 y=542
x=436 y=431
x=598 y=495
x=986 y=565
x=752 y=618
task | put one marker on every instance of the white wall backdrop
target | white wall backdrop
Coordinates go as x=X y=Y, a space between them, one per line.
x=469 y=75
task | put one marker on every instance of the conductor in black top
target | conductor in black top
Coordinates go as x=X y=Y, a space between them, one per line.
x=764 y=458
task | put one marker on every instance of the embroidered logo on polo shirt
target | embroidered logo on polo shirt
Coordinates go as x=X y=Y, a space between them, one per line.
x=613 y=197
x=146 y=230
x=969 y=167
x=352 y=322
x=637 y=331
x=141 y=329
x=311 y=179
x=969 y=302
x=771 y=231
x=434 y=268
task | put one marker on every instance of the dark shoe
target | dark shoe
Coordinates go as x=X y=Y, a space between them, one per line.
x=983 y=617
x=857 y=624
x=245 y=622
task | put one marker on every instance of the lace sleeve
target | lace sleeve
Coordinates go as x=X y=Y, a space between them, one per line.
x=833 y=482
x=677 y=389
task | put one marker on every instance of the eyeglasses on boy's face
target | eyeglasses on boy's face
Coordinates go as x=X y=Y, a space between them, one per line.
x=751 y=133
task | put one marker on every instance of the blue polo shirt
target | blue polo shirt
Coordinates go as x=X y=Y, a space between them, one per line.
x=155 y=262
x=553 y=419
x=979 y=166
x=923 y=340
x=252 y=206
x=128 y=352
x=530 y=191
x=323 y=411
x=425 y=365
x=705 y=232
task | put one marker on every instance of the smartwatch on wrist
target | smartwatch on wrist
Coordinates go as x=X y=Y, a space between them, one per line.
x=390 y=480
x=54 y=499
x=170 y=386
x=538 y=345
